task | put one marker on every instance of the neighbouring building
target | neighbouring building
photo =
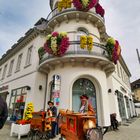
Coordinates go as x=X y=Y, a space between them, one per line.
x=68 y=66
x=135 y=86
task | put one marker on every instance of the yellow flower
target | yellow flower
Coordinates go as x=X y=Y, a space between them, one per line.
x=83 y=42
x=63 y=34
x=60 y=5
x=110 y=41
x=48 y=37
x=89 y=43
x=85 y=2
x=69 y=2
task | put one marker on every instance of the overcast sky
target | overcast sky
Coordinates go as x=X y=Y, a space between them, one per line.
x=122 y=22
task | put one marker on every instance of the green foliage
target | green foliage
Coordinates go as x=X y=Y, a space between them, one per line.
x=41 y=52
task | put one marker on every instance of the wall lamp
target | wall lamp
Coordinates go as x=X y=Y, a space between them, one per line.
x=109 y=90
x=28 y=87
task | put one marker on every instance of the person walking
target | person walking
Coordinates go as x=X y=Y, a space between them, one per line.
x=3 y=112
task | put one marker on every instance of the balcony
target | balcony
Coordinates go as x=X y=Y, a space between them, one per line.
x=55 y=18
x=74 y=56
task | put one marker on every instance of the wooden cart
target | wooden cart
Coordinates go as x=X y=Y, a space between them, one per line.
x=71 y=125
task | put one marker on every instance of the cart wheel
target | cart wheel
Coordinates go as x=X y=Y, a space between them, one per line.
x=31 y=135
x=94 y=134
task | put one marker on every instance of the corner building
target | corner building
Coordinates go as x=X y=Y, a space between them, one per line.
x=64 y=79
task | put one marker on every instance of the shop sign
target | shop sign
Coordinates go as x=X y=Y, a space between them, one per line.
x=4 y=88
x=56 y=89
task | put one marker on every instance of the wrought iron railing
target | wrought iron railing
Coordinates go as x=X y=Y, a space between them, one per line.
x=74 y=49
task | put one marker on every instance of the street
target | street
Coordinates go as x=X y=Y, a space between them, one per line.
x=127 y=131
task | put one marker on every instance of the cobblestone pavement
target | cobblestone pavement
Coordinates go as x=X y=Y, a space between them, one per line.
x=127 y=131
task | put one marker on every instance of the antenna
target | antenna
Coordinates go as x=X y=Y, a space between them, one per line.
x=138 y=55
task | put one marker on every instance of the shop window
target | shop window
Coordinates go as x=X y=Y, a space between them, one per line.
x=28 y=58
x=17 y=104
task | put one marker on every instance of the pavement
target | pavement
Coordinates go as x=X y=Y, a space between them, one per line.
x=129 y=130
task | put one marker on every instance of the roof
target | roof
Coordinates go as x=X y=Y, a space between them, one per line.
x=20 y=43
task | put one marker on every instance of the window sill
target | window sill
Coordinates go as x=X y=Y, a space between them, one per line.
x=9 y=75
x=27 y=65
x=17 y=71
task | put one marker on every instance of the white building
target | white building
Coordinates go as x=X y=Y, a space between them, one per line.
x=26 y=78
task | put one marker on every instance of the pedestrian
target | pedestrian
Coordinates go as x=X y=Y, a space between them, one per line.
x=52 y=113
x=85 y=107
x=114 y=121
x=3 y=112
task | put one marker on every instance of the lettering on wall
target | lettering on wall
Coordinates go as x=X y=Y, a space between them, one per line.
x=4 y=88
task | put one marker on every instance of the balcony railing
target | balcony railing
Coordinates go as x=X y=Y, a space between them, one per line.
x=98 y=50
x=55 y=13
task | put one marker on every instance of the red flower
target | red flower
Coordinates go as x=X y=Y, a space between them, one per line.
x=55 y=34
x=99 y=10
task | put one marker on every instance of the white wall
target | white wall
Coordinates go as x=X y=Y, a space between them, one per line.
x=70 y=74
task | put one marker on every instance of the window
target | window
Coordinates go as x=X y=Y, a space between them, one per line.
x=80 y=32
x=10 y=67
x=17 y=103
x=0 y=72
x=80 y=87
x=121 y=105
x=28 y=59
x=19 y=62
x=4 y=71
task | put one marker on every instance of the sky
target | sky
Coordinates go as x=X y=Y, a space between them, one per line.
x=122 y=22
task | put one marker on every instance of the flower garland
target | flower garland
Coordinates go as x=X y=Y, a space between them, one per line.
x=86 y=42
x=64 y=4
x=99 y=10
x=57 y=43
x=84 y=5
x=113 y=49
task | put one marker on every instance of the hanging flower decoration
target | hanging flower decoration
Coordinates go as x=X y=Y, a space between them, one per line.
x=89 y=43
x=41 y=52
x=64 y=4
x=83 y=42
x=99 y=10
x=86 y=42
x=84 y=5
x=113 y=49
x=57 y=43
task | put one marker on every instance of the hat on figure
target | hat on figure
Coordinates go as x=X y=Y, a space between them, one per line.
x=84 y=97
x=50 y=102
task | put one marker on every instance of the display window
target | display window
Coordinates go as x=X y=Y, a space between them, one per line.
x=17 y=104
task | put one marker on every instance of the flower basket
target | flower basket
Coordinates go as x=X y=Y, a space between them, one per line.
x=57 y=43
x=113 y=50
x=84 y=5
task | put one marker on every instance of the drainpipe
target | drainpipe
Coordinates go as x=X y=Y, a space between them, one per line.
x=45 y=95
